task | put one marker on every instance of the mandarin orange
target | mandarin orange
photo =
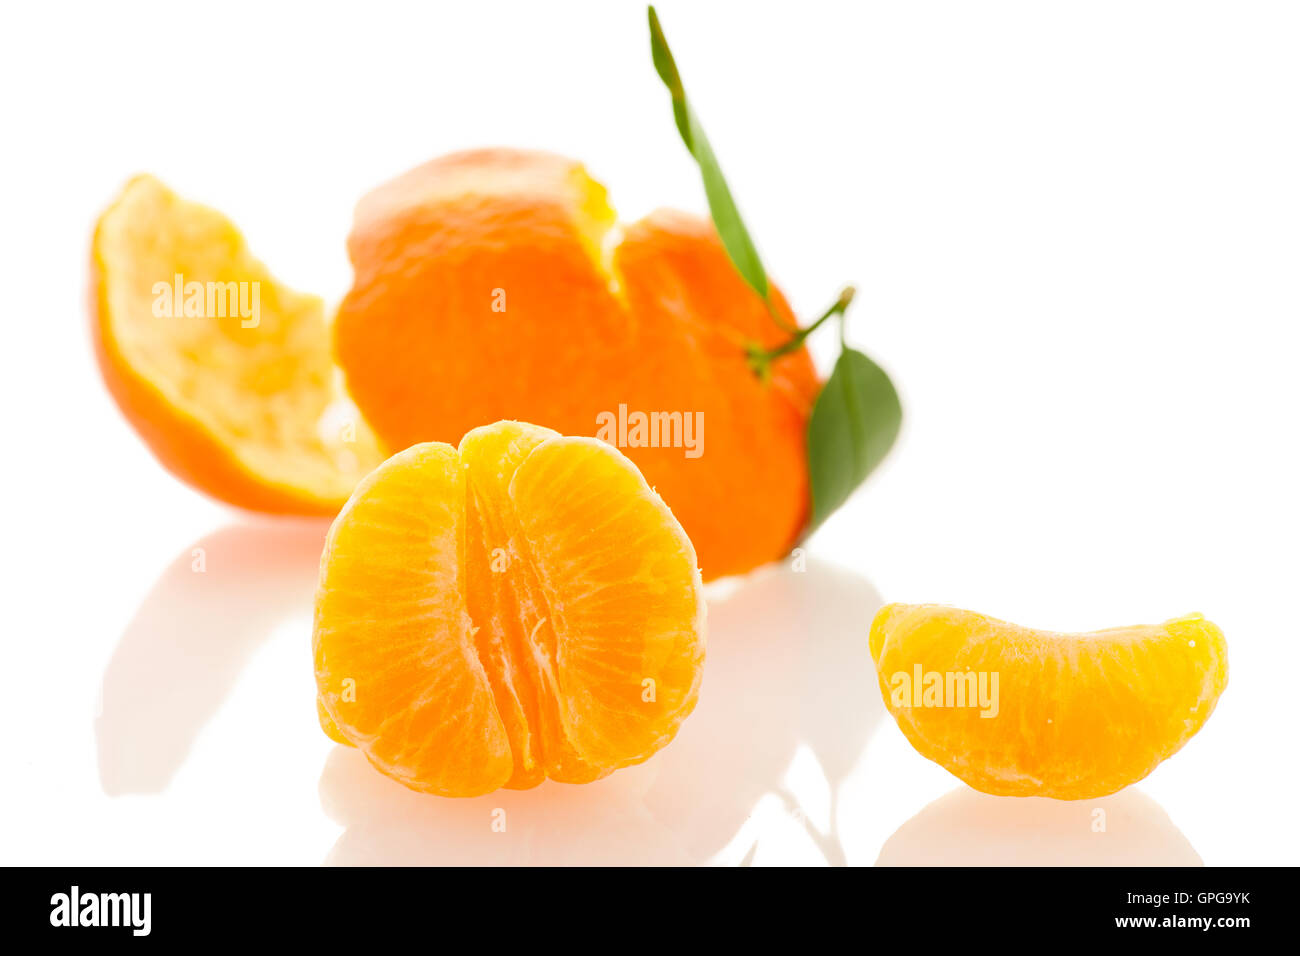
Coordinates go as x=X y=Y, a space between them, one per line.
x=519 y=608
x=494 y=284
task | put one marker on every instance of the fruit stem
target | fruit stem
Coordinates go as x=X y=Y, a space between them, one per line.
x=760 y=358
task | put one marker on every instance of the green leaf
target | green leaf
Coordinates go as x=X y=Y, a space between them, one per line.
x=856 y=418
x=726 y=217
x=666 y=67
x=853 y=425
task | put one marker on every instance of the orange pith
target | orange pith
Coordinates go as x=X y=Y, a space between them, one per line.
x=244 y=407
x=519 y=608
x=486 y=288
x=1076 y=715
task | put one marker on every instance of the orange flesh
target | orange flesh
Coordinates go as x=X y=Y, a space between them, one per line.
x=491 y=616
x=1077 y=715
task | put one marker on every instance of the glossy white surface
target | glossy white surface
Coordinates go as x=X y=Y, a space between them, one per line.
x=1076 y=235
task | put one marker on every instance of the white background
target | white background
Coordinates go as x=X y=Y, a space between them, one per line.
x=1075 y=228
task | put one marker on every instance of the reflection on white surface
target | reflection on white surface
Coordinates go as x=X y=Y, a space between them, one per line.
x=787 y=671
x=601 y=823
x=184 y=649
x=968 y=828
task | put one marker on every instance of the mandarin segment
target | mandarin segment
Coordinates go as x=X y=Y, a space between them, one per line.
x=396 y=664
x=514 y=622
x=1070 y=716
x=487 y=286
x=230 y=383
x=622 y=595
x=519 y=608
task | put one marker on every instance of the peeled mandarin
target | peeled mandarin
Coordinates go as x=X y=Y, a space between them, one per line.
x=521 y=607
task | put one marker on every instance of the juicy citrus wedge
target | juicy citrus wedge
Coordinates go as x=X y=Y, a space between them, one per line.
x=493 y=284
x=519 y=608
x=1020 y=712
x=225 y=373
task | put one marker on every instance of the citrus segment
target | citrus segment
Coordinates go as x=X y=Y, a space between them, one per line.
x=622 y=594
x=1021 y=712
x=521 y=608
x=225 y=373
x=396 y=664
x=515 y=630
